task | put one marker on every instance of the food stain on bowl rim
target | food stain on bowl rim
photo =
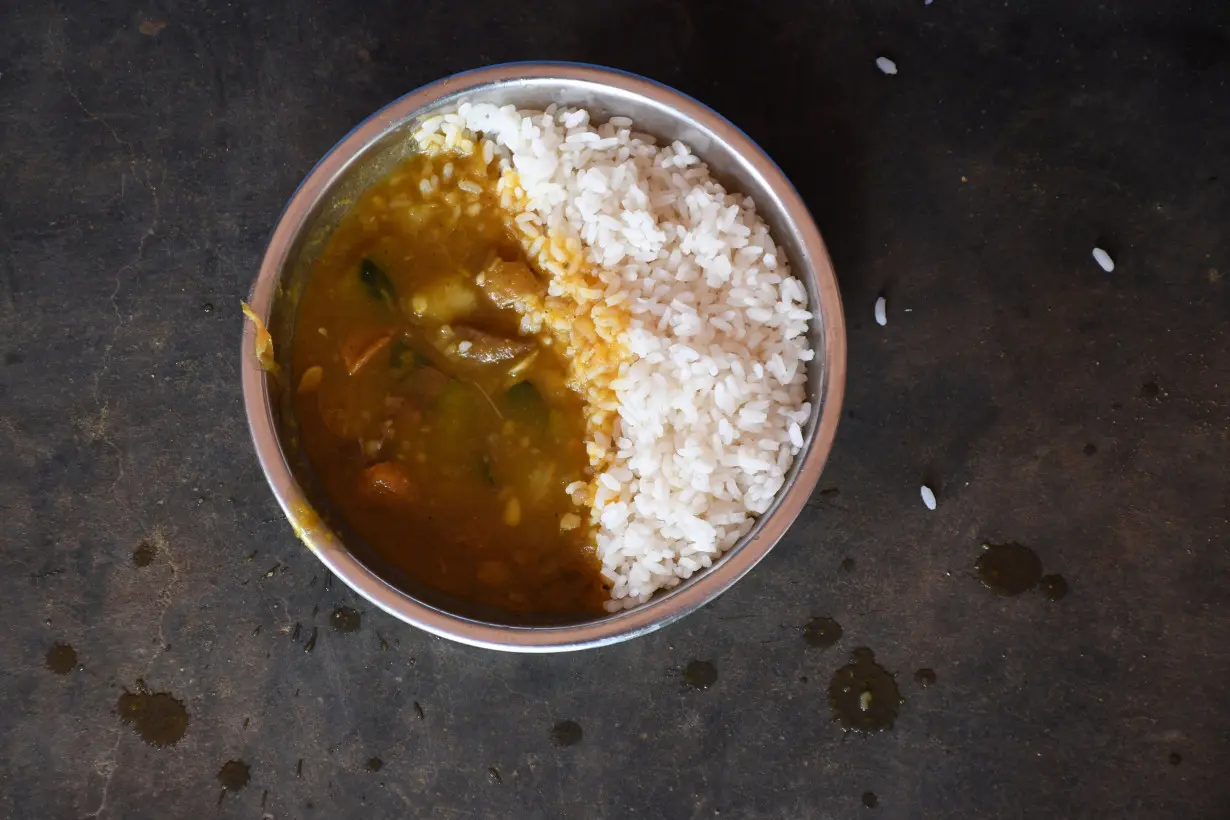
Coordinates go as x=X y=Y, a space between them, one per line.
x=669 y=115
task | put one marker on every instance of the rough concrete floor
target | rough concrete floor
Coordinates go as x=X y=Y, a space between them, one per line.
x=145 y=152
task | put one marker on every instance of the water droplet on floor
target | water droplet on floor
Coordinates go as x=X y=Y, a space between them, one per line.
x=566 y=733
x=822 y=632
x=1054 y=587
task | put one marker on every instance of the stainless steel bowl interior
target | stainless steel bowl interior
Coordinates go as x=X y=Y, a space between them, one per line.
x=369 y=152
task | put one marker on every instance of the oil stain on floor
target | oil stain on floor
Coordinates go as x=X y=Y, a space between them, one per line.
x=144 y=554
x=345 y=619
x=566 y=733
x=1009 y=568
x=700 y=674
x=234 y=775
x=1012 y=568
x=158 y=718
x=61 y=658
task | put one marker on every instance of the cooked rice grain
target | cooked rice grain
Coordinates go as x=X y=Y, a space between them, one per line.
x=694 y=329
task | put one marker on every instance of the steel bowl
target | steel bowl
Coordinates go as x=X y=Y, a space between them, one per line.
x=365 y=155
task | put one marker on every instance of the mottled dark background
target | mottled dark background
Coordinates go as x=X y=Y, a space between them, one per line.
x=145 y=151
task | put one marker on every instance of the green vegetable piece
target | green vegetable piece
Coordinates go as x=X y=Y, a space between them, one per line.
x=524 y=395
x=527 y=404
x=397 y=354
x=378 y=284
x=403 y=356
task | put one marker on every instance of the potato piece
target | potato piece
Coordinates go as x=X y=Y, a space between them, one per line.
x=311 y=378
x=509 y=284
x=444 y=301
x=471 y=344
x=387 y=481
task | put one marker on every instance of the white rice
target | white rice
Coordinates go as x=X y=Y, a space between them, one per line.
x=712 y=400
x=928 y=496
x=886 y=65
x=1103 y=259
x=881 y=312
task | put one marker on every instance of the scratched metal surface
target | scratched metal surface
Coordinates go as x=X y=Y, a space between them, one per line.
x=145 y=151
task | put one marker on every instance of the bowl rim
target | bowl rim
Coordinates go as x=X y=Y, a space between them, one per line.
x=664 y=608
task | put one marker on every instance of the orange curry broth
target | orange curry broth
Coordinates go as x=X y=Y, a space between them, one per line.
x=444 y=436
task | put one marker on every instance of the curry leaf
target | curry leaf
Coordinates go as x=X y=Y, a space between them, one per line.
x=377 y=282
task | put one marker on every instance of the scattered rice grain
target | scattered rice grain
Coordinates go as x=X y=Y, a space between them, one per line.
x=1103 y=259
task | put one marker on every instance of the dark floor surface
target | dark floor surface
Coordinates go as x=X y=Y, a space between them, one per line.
x=145 y=152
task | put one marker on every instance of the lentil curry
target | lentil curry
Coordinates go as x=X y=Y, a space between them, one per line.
x=444 y=434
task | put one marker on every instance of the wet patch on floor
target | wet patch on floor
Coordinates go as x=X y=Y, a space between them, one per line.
x=864 y=695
